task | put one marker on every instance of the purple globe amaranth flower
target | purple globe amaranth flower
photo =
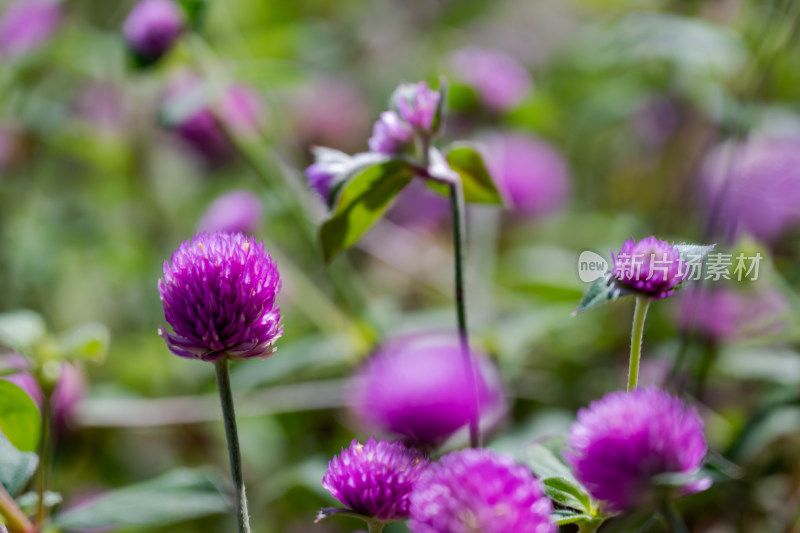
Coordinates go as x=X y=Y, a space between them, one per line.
x=532 y=174
x=218 y=294
x=478 y=490
x=26 y=25
x=417 y=387
x=376 y=478
x=650 y=266
x=754 y=187
x=499 y=79
x=233 y=212
x=152 y=28
x=620 y=442
x=391 y=134
x=417 y=104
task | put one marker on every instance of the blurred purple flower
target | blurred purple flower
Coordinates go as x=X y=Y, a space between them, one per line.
x=620 y=442
x=28 y=24
x=416 y=387
x=376 y=478
x=70 y=389
x=152 y=27
x=650 y=266
x=656 y=119
x=233 y=212
x=531 y=173
x=479 y=490
x=390 y=135
x=327 y=170
x=27 y=382
x=499 y=79
x=417 y=104
x=218 y=293
x=754 y=187
x=419 y=207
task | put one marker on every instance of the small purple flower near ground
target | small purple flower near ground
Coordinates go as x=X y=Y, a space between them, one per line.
x=390 y=135
x=478 y=490
x=499 y=79
x=417 y=104
x=152 y=27
x=620 y=442
x=233 y=212
x=376 y=478
x=651 y=266
x=28 y=24
x=218 y=293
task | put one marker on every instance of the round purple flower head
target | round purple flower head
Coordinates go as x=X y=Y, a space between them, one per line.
x=498 y=78
x=376 y=478
x=624 y=439
x=417 y=104
x=28 y=24
x=152 y=28
x=417 y=387
x=479 y=490
x=218 y=294
x=390 y=135
x=233 y=212
x=650 y=266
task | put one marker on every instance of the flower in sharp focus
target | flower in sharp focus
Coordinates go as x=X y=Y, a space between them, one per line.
x=233 y=212
x=417 y=104
x=500 y=81
x=478 y=490
x=416 y=387
x=390 y=135
x=620 y=442
x=376 y=478
x=650 y=266
x=152 y=27
x=218 y=293
x=26 y=25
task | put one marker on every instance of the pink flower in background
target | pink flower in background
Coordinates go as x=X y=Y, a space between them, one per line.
x=531 y=173
x=152 y=27
x=499 y=79
x=656 y=119
x=26 y=25
x=417 y=206
x=232 y=212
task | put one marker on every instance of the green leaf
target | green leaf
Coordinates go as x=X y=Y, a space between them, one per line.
x=87 y=343
x=543 y=457
x=568 y=493
x=21 y=329
x=602 y=290
x=174 y=497
x=467 y=161
x=361 y=202
x=195 y=11
x=16 y=467
x=562 y=517
x=19 y=417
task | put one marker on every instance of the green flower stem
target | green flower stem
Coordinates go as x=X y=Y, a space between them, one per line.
x=46 y=453
x=15 y=519
x=229 y=416
x=374 y=526
x=637 y=332
x=459 y=241
x=588 y=527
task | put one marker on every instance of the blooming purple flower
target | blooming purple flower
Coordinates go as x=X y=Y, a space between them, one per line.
x=391 y=134
x=218 y=294
x=376 y=478
x=416 y=387
x=152 y=27
x=531 y=173
x=624 y=439
x=479 y=490
x=498 y=78
x=28 y=24
x=328 y=169
x=233 y=212
x=754 y=187
x=417 y=104
x=650 y=266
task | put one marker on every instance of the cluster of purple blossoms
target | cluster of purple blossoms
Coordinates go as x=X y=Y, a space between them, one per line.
x=499 y=79
x=376 y=478
x=416 y=106
x=28 y=24
x=218 y=293
x=478 y=490
x=391 y=134
x=152 y=27
x=233 y=212
x=651 y=266
x=620 y=442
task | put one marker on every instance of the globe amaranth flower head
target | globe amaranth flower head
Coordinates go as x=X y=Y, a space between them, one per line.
x=152 y=27
x=650 y=266
x=479 y=490
x=416 y=387
x=417 y=104
x=233 y=212
x=391 y=134
x=28 y=24
x=499 y=79
x=218 y=294
x=620 y=442
x=376 y=478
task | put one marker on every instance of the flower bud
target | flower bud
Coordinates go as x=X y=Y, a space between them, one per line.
x=26 y=25
x=152 y=28
x=417 y=104
x=390 y=135
x=500 y=81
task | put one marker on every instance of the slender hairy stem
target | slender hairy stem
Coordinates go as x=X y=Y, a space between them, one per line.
x=674 y=521
x=459 y=241
x=637 y=331
x=15 y=519
x=373 y=526
x=46 y=452
x=229 y=416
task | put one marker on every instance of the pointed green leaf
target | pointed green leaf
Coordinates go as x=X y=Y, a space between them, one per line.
x=363 y=199
x=467 y=161
x=16 y=467
x=562 y=517
x=544 y=459
x=602 y=290
x=19 y=417
x=568 y=493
